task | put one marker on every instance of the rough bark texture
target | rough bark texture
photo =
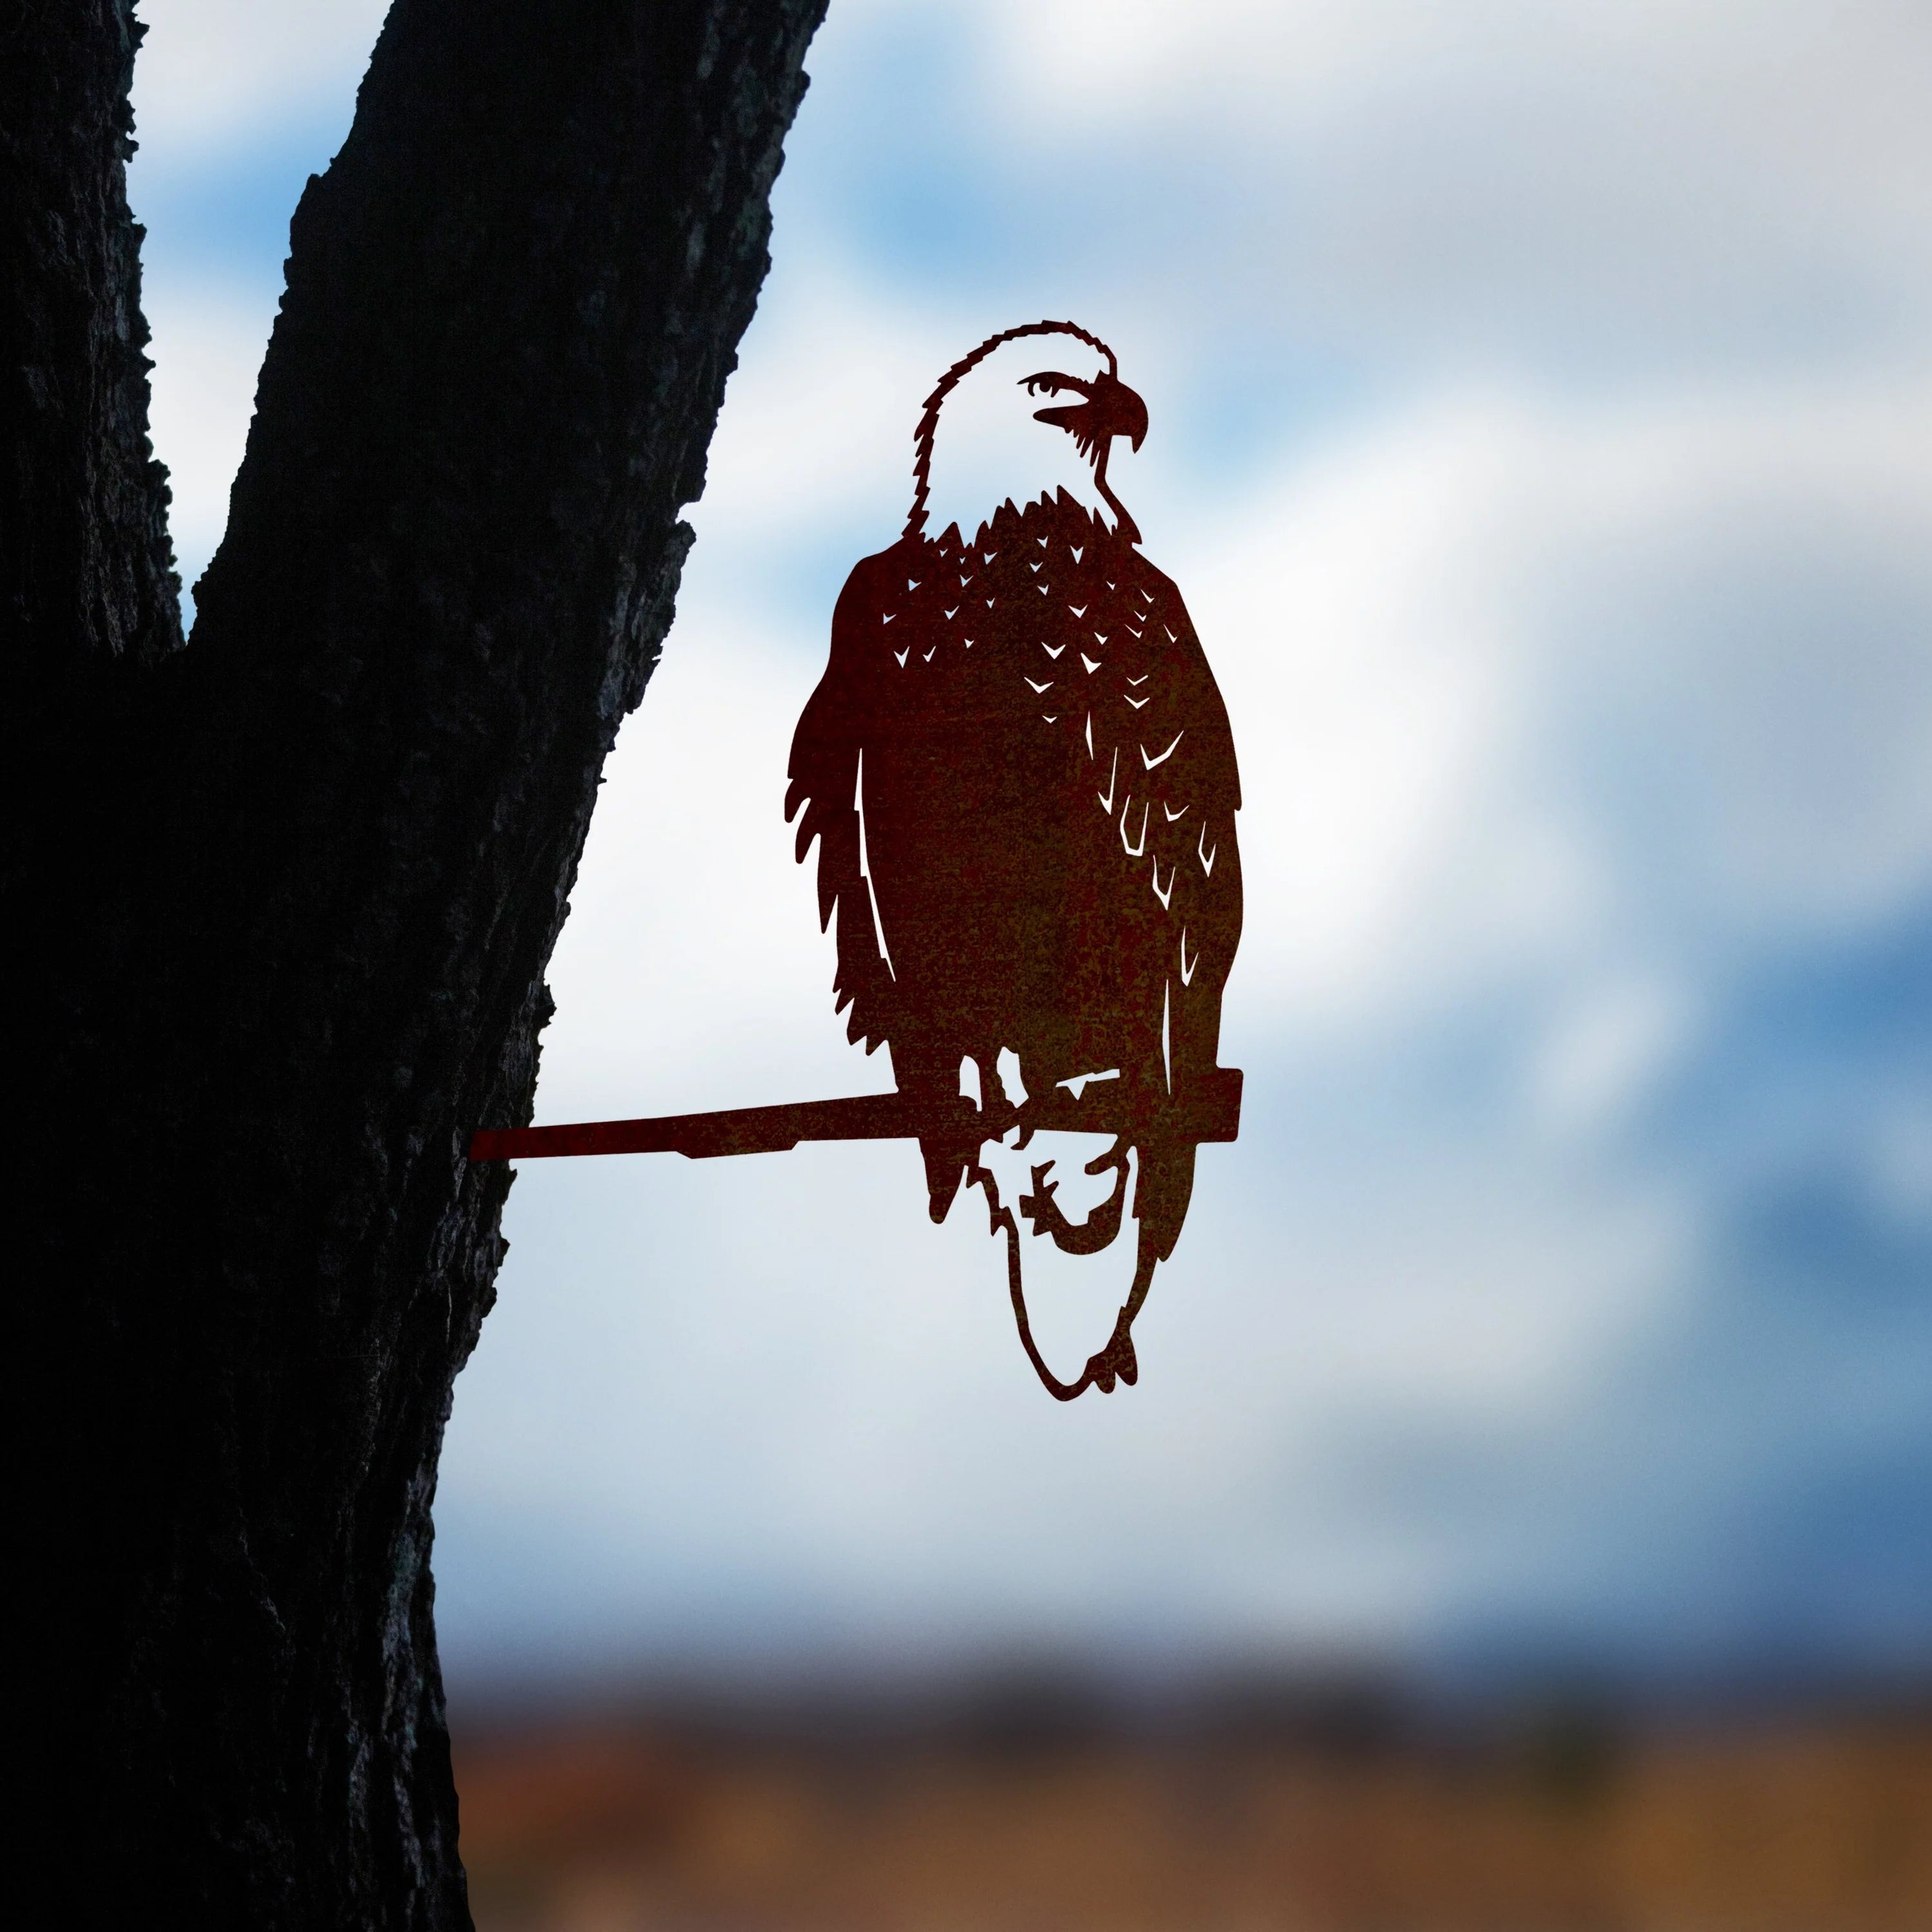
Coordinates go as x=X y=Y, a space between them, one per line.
x=294 y=887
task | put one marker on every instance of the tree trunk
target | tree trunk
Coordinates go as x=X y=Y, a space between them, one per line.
x=283 y=897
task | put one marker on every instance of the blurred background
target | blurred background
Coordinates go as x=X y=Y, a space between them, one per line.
x=1525 y=1515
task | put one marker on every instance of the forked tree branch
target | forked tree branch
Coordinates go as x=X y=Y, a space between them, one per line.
x=283 y=899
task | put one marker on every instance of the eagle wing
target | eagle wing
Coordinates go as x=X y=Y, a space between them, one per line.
x=827 y=755
x=1161 y=761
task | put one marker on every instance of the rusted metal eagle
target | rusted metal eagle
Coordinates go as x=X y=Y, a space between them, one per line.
x=1019 y=774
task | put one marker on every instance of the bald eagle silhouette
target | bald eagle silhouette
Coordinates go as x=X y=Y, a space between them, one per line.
x=1019 y=773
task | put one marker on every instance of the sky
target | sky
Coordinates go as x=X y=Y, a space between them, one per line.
x=1540 y=400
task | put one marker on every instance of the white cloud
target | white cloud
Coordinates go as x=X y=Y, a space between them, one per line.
x=1366 y=681
x=212 y=73
x=1606 y=1048
x=1427 y=636
x=1583 y=186
x=695 y=973
x=818 y=433
x=209 y=340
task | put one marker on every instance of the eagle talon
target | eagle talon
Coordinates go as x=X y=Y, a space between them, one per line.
x=1114 y=1362
x=1038 y=1206
x=1102 y=1224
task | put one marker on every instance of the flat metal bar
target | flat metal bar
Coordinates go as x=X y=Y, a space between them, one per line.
x=869 y=1116
x=1211 y=1112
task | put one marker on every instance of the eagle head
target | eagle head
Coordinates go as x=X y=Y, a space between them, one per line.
x=1111 y=409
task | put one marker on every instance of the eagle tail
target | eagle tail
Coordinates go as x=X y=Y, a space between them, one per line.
x=1115 y=1363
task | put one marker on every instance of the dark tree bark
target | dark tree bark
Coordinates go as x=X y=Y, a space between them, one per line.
x=283 y=897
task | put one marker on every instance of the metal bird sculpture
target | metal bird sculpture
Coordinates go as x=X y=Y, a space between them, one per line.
x=1018 y=772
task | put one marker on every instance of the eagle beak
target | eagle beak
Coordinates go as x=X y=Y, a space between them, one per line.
x=1111 y=409
x=1071 y=416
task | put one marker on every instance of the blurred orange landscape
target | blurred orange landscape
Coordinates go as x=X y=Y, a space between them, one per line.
x=594 y=1824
